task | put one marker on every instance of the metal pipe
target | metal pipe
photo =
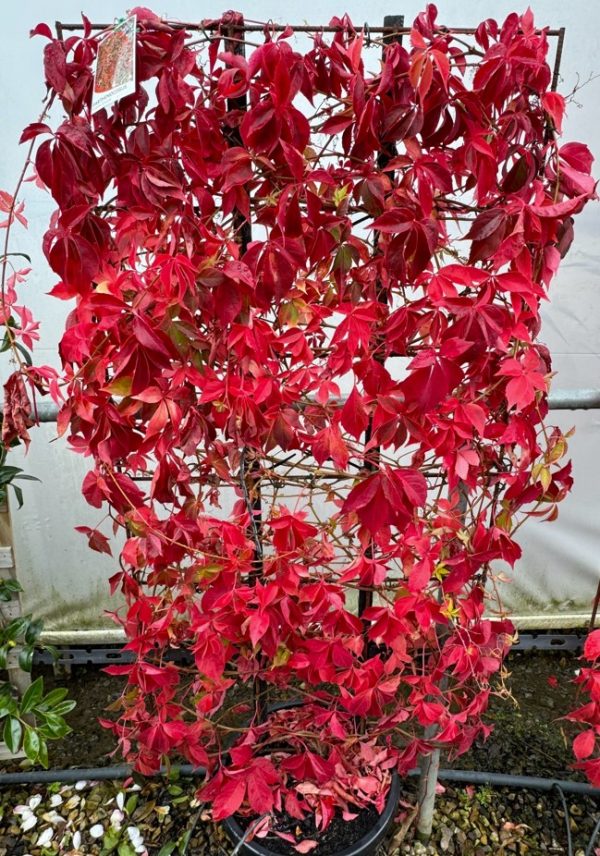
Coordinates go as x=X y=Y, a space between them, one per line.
x=45 y=411
x=505 y=780
x=213 y=25
x=574 y=399
x=470 y=777
x=87 y=774
x=558 y=399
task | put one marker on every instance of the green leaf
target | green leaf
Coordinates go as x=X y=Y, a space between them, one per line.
x=8 y=705
x=33 y=695
x=3 y=656
x=19 y=494
x=167 y=848
x=52 y=650
x=33 y=631
x=17 y=627
x=24 y=352
x=13 y=732
x=125 y=849
x=31 y=744
x=26 y=659
x=110 y=840
x=56 y=725
x=43 y=753
x=10 y=586
x=131 y=804
x=54 y=697
x=7 y=474
x=64 y=707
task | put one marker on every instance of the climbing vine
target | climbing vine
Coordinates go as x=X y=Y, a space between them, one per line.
x=302 y=358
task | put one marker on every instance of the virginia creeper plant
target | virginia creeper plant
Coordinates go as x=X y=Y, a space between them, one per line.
x=586 y=745
x=302 y=360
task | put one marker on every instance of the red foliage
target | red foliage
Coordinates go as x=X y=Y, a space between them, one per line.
x=407 y=224
x=586 y=745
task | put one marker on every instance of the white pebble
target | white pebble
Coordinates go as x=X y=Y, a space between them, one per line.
x=45 y=838
x=97 y=830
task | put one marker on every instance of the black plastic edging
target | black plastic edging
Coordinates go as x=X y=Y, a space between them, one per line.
x=123 y=771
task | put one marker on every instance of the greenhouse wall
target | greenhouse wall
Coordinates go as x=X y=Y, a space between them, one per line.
x=554 y=583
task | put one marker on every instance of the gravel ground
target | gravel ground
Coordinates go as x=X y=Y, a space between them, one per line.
x=163 y=817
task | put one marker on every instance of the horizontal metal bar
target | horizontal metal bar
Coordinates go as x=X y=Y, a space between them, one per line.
x=212 y=25
x=549 y=642
x=45 y=411
x=559 y=399
x=103 y=655
x=98 y=655
x=574 y=399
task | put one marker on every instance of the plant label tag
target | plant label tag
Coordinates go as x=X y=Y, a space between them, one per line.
x=115 y=65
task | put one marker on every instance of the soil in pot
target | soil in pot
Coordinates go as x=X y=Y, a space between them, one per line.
x=338 y=835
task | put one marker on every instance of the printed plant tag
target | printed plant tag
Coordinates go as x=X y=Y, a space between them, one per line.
x=115 y=65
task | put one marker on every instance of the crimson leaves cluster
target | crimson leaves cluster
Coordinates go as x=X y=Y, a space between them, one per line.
x=302 y=358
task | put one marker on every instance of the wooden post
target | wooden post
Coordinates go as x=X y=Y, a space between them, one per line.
x=371 y=463
x=430 y=764
x=234 y=34
x=17 y=677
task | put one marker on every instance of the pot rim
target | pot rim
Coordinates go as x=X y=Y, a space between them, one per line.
x=362 y=847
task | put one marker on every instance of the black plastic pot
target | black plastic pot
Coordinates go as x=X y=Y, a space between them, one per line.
x=365 y=846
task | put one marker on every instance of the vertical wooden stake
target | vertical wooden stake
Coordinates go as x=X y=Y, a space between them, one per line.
x=17 y=677
x=234 y=43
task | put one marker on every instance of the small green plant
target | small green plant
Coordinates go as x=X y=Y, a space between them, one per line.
x=484 y=795
x=8 y=476
x=29 y=721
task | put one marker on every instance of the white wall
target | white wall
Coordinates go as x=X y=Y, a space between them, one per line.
x=555 y=582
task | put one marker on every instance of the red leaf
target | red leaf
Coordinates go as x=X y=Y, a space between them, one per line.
x=527 y=379
x=559 y=210
x=329 y=443
x=34 y=130
x=260 y=792
x=486 y=224
x=16 y=414
x=229 y=798
x=355 y=417
x=41 y=30
x=306 y=846
x=55 y=66
x=584 y=744
x=258 y=626
x=92 y=491
x=386 y=497
x=96 y=540
x=554 y=105
x=591 y=647
x=237 y=168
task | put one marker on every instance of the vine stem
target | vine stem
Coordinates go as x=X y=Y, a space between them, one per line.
x=11 y=219
x=595 y=608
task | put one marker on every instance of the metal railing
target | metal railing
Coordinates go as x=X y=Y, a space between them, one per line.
x=558 y=399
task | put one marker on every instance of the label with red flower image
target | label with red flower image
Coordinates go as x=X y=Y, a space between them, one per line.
x=115 y=65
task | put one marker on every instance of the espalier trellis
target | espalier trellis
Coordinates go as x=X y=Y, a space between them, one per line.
x=303 y=359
